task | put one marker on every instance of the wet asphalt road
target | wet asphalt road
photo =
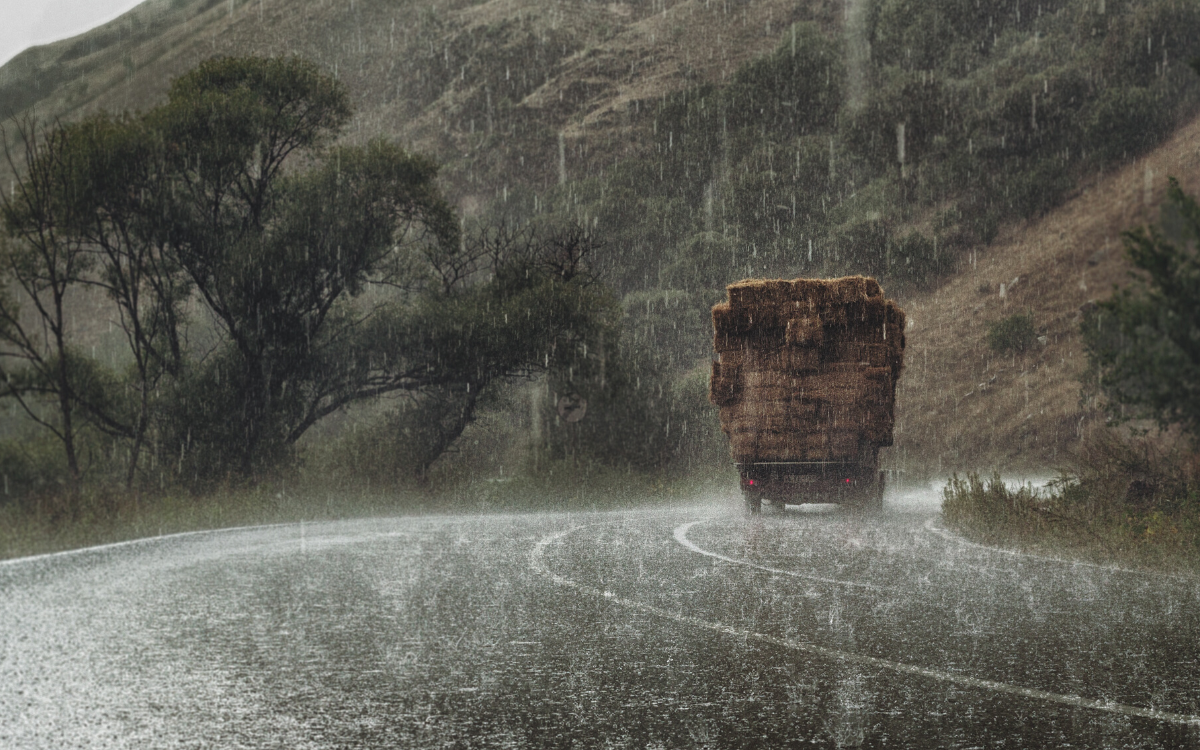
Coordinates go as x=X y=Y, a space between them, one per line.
x=688 y=627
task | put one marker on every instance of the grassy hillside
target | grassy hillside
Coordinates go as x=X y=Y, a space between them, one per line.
x=962 y=405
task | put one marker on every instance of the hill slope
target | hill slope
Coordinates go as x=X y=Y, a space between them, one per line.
x=961 y=405
x=487 y=87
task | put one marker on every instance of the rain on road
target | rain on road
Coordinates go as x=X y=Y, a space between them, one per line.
x=683 y=627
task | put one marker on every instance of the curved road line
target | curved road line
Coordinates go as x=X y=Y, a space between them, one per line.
x=950 y=536
x=537 y=563
x=14 y=561
x=681 y=537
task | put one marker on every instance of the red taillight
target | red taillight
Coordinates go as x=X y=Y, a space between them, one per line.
x=847 y=481
x=749 y=481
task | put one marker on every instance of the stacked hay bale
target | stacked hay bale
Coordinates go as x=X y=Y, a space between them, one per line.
x=807 y=368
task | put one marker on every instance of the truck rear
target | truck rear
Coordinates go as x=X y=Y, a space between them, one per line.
x=805 y=381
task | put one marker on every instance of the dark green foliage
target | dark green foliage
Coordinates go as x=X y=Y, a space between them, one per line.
x=446 y=344
x=637 y=418
x=29 y=468
x=398 y=446
x=1143 y=343
x=1012 y=334
x=914 y=258
x=900 y=97
x=695 y=443
x=797 y=89
x=232 y=122
x=864 y=245
x=274 y=257
x=1125 y=121
x=327 y=276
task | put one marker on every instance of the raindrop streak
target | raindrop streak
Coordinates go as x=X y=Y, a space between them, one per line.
x=562 y=159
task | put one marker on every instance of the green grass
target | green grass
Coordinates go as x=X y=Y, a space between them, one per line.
x=48 y=524
x=1078 y=517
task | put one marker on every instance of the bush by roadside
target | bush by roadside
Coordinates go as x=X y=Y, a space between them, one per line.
x=1132 y=499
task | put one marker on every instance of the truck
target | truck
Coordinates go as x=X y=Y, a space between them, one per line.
x=805 y=383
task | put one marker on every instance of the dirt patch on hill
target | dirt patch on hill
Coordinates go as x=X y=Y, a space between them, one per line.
x=960 y=405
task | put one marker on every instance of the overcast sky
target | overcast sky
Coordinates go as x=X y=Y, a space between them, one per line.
x=26 y=23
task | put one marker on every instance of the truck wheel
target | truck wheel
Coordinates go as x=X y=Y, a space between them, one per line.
x=868 y=497
x=872 y=502
x=753 y=503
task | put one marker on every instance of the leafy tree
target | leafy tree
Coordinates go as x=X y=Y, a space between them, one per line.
x=327 y=275
x=117 y=200
x=1143 y=344
x=285 y=266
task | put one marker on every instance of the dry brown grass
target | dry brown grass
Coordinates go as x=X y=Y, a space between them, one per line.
x=960 y=405
x=812 y=396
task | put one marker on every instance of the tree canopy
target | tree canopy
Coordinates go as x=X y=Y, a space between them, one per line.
x=1143 y=343
x=265 y=275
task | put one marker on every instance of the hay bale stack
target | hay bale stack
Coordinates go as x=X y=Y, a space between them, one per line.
x=807 y=368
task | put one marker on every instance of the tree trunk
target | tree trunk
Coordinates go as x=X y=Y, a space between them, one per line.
x=64 y=397
x=446 y=437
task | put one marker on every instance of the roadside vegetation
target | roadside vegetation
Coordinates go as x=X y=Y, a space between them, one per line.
x=1130 y=499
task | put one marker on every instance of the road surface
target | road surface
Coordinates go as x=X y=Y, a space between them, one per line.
x=688 y=627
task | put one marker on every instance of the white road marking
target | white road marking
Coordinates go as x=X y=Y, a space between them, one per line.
x=15 y=561
x=952 y=537
x=537 y=563
x=681 y=537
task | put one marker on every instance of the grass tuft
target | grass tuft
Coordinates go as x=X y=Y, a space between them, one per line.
x=1133 y=500
x=49 y=523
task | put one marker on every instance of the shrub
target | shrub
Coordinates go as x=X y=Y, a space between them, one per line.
x=1012 y=334
x=29 y=467
x=1132 y=496
x=914 y=259
x=1124 y=120
x=1140 y=342
x=990 y=509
